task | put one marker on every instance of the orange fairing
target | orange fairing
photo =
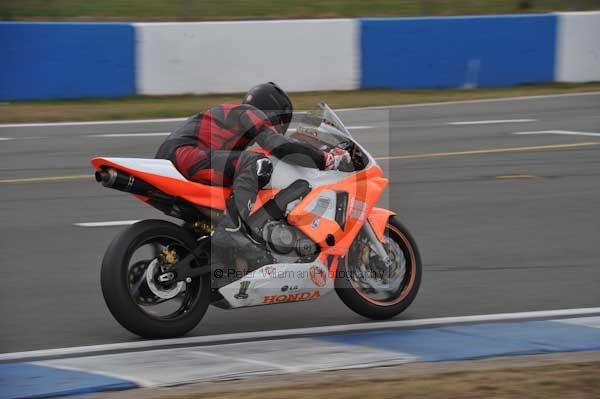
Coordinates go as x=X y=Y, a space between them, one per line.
x=378 y=218
x=201 y=194
x=331 y=262
x=364 y=189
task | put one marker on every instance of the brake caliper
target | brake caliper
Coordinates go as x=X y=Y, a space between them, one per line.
x=166 y=259
x=168 y=256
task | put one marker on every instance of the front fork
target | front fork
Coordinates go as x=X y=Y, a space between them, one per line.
x=376 y=245
x=373 y=241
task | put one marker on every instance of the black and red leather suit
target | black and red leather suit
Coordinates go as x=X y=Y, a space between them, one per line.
x=210 y=148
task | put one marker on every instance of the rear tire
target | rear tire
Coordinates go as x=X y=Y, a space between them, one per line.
x=116 y=287
x=361 y=303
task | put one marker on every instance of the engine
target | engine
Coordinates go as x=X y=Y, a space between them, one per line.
x=284 y=239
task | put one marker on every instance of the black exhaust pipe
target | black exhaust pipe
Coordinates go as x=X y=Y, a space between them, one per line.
x=112 y=178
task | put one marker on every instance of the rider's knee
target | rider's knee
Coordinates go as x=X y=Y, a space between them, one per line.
x=264 y=170
x=260 y=165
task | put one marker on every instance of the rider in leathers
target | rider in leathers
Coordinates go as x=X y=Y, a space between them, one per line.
x=211 y=148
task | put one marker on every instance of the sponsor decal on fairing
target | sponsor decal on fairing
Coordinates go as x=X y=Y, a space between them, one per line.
x=271 y=284
x=296 y=297
x=317 y=276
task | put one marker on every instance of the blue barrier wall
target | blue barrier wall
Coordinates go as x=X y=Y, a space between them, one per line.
x=66 y=60
x=457 y=51
x=74 y=60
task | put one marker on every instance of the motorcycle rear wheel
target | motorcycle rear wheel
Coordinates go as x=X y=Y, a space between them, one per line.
x=132 y=295
x=360 y=301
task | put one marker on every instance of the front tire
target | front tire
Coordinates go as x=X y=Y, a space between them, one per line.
x=348 y=284
x=130 y=293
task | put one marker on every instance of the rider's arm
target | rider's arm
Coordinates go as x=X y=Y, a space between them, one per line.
x=258 y=127
x=290 y=151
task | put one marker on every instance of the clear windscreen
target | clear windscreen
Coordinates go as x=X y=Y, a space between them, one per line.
x=324 y=131
x=310 y=131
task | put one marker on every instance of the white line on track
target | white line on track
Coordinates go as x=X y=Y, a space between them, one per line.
x=440 y=103
x=91 y=123
x=483 y=100
x=129 y=134
x=263 y=335
x=23 y=138
x=293 y=129
x=564 y=132
x=149 y=134
x=106 y=224
x=168 y=133
x=490 y=122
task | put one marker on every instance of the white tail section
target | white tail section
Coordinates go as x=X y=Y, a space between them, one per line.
x=161 y=167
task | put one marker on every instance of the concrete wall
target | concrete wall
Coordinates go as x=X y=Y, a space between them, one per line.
x=224 y=57
x=66 y=60
x=578 y=47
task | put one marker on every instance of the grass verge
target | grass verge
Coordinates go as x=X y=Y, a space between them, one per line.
x=578 y=380
x=196 y=10
x=141 y=107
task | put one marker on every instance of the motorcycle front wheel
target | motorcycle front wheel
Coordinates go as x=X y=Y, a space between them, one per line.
x=372 y=289
x=131 y=281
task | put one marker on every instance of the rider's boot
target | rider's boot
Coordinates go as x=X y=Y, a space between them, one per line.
x=236 y=232
x=232 y=235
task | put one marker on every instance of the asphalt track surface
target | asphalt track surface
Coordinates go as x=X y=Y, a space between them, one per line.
x=490 y=242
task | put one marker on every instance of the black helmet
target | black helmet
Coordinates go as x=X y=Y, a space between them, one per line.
x=274 y=102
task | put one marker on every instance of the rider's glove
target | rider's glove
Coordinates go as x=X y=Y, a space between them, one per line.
x=335 y=157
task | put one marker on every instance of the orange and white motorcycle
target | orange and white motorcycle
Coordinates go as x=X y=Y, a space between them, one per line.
x=322 y=233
